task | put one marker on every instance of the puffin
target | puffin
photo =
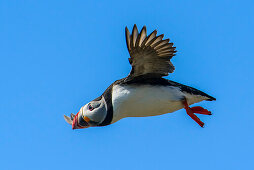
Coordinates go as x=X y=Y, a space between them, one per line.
x=144 y=92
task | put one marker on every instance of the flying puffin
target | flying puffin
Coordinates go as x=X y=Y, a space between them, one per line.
x=143 y=92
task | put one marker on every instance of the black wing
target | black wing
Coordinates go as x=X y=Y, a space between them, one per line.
x=149 y=54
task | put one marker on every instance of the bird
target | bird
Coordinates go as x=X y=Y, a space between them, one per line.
x=144 y=92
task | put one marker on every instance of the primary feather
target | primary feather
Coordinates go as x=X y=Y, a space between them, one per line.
x=149 y=54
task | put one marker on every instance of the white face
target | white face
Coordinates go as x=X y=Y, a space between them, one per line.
x=91 y=114
x=95 y=110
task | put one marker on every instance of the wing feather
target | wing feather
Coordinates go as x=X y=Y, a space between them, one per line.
x=160 y=43
x=149 y=38
x=142 y=36
x=155 y=40
x=149 y=54
x=134 y=35
x=127 y=37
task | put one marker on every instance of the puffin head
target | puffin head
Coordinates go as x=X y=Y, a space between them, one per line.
x=90 y=115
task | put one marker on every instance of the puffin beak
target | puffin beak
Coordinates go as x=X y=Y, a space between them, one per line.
x=75 y=123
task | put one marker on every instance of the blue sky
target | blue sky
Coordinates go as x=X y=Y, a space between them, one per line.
x=58 y=55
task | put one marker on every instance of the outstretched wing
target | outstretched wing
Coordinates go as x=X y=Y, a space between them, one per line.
x=149 y=54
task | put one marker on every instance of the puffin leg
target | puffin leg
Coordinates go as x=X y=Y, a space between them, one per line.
x=200 y=110
x=191 y=113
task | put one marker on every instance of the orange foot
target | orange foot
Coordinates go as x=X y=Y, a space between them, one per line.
x=197 y=109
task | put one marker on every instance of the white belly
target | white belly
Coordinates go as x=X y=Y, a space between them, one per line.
x=142 y=101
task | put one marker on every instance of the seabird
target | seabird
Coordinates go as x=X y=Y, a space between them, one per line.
x=144 y=92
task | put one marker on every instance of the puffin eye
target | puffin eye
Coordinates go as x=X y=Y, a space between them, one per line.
x=90 y=107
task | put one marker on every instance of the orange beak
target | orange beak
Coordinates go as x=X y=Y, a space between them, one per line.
x=75 y=122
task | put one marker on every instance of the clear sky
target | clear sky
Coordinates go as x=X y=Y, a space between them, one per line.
x=58 y=55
